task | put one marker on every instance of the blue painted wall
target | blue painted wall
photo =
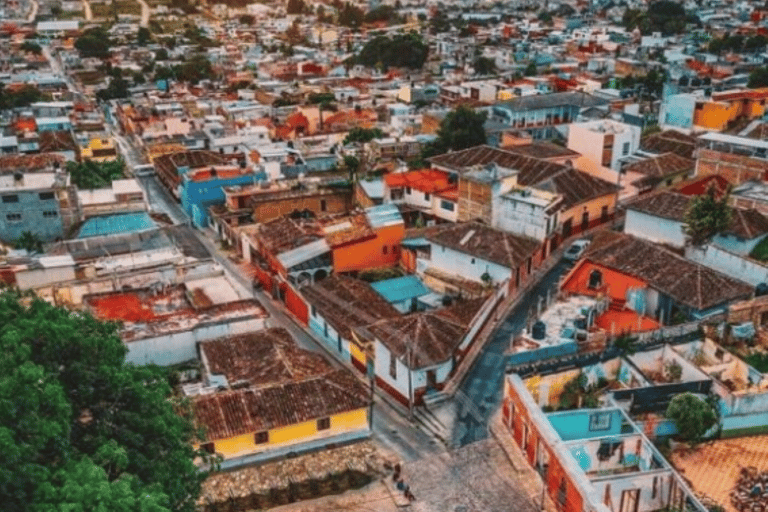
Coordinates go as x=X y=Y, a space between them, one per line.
x=40 y=216
x=572 y=425
x=198 y=196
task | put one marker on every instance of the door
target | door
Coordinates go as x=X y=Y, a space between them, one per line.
x=585 y=221
x=630 y=500
x=431 y=379
x=567 y=228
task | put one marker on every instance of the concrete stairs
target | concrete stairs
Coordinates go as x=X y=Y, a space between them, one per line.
x=432 y=424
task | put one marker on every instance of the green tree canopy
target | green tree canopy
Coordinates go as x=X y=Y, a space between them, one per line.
x=90 y=175
x=94 y=42
x=401 y=50
x=692 y=415
x=22 y=97
x=707 y=216
x=32 y=47
x=484 y=66
x=665 y=16
x=143 y=37
x=358 y=134
x=351 y=16
x=29 y=241
x=758 y=77
x=79 y=428
x=460 y=129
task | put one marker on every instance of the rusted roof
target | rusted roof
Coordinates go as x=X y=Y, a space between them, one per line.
x=575 y=186
x=30 y=163
x=667 y=205
x=347 y=303
x=669 y=141
x=543 y=150
x=242 y=411
x=53 y=141
x=420 y=339
x=167 y=165
x=656 y=169
x=486 y=243
x=748 y=224
x=263 y=358
x=686 y=282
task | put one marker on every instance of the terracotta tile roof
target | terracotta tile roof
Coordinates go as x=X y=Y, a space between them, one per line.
x=747 y=224
x=242 y=411
x=484 y=242
x=263 y=358
x=686 y=282
x=284 y=233
x=347 y=303
x=760 y=132
x=167 y=165
x=53 y=141
x=425 y=180
x=30 y=163
x=575 y=186
x=657 y=168
x=344 y=231
x=420 y=339
x=669 y=141
x=667 y=205
x=543 y=150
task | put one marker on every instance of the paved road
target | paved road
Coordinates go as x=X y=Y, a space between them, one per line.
x=481 y=392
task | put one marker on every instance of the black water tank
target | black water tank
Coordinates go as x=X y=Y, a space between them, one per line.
x=539 y=330
x=762 y=289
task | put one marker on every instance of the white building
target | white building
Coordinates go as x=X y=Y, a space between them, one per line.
x=605 y=142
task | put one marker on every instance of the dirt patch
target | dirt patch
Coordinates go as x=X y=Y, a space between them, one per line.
x=714 y=468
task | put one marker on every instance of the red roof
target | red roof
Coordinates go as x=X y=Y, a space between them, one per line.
x=425 y=180
x=701 y=185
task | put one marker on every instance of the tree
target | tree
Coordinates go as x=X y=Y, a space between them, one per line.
x=29 y=242
x=363 y=135
x=80 y=429
x=143 y=36
x=117 y=88
x=22 y=97
x=295 y=7
x=460 y=129
x=352 y=163
x=692 y=415
x=484 y=66
x=91 y=175
x=94 y=42
x=530 y=69
x=401 y=50
x=351 y=16
x=31 y=47
x=758 y=78
x=707 y=216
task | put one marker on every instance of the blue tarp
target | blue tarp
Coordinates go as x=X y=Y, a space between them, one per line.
x=114 y=224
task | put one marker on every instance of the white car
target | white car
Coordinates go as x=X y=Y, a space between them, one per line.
x=576 y=249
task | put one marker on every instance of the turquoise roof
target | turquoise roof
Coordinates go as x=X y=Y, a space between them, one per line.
x=114 y=224
x=400 y=288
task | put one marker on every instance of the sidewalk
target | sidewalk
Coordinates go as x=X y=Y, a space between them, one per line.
x=528 y=477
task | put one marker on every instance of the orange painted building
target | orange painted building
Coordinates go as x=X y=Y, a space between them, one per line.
x=375 y=247
x=729 y=106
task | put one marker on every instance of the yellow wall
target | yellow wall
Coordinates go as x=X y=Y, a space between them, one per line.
x=292 y=434
x=594 y=207
x=95 y=144
x=356 y=353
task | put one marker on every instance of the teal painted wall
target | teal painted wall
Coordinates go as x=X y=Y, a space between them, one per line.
x=576 y=424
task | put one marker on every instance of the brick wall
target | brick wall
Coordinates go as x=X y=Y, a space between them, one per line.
x=735 y=168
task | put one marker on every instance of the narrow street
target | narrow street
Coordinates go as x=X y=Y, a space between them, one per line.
x=481 y=392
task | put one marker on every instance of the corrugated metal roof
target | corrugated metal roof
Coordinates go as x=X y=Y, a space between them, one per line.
x=301 y=254
x=400 y=288
x=383 y=215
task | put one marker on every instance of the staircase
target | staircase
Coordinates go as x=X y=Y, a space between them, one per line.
x=432 y=424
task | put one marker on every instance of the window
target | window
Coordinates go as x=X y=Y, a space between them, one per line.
x=13 y=217
x=562 y=491
x=604 y=214
x=426 y=196
x=625 y=149
x=408 y=190
x=11 y=198
x=46 y=196
x=600 y=421
x=338 y=342
x=392 y=366
x=50 y=214
x=323 y=423
x=655 y=490
x=384 y=249
x=261 y=437
x=209 y=447
x=323 y=205
x=473 y=261
x=528 y=264
x=314 y=310
x=447 y=205
x=325 y=330
x=595 y=279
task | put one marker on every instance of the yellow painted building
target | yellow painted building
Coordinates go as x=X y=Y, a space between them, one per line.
x=275 y=396
x=100 y=149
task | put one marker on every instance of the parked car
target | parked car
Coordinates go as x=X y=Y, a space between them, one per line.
x=576 y=249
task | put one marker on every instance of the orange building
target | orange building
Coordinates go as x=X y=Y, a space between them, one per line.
x=374 y=244
x=729 y=106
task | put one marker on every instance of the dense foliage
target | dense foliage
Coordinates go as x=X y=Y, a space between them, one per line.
x=737 y=43
x=94 y=42
x=81 y=430
x=758 y=77
x=401 y=50
x=462 y=128
x=22 y=97
x=90 y=175
x=358 y=134
x=692 y=415
x=664 y=16
x=484 y=66
x=707 y=216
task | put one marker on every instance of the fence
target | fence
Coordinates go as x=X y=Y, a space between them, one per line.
x=530 y=356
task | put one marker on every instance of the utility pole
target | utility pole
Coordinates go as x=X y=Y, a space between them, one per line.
x=409 y=365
